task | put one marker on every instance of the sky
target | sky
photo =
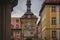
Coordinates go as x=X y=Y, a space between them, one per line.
x=21 y=8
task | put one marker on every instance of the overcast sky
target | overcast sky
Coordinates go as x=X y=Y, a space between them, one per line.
x=20 y=9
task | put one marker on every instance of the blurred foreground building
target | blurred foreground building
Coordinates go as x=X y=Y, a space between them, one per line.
x=6 y=7
x=50 y=20
x=16 y=32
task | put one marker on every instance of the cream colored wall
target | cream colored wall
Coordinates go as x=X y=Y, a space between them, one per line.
x=45 y=22
x=46 y=17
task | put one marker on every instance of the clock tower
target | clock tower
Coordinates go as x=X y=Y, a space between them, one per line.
x=28 y=21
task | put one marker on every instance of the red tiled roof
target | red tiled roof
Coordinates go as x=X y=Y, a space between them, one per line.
x=54 y=1
x=49 y=2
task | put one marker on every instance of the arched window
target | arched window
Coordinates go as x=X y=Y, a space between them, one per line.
x=17 y=20
x=17 y=26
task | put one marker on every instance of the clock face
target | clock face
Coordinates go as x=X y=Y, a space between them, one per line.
x=29 y=16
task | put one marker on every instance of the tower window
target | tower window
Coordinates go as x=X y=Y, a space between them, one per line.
x=53 y=9
x=54 y=20
x=53 y=34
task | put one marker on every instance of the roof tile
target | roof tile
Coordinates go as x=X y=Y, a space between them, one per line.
x=54 y=1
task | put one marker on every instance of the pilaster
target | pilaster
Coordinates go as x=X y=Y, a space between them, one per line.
x=5 y=22
x=5 y=18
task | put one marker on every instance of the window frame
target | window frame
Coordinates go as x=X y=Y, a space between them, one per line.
x=53 y=9
x=17 y=20
x=17 y=26
x=53 y=34
x=54 y=20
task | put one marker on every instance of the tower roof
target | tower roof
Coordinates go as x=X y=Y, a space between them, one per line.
x=52 y=1
x=28 y=12
x=31 y=16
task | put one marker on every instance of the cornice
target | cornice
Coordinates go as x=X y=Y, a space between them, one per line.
x=44 y=4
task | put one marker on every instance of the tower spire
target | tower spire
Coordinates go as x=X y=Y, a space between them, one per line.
x=28 y=5
x=28 y=13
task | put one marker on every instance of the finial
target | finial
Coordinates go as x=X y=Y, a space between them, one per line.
x=28 y=5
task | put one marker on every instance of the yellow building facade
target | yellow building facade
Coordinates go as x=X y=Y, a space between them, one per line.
x=50 y=20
